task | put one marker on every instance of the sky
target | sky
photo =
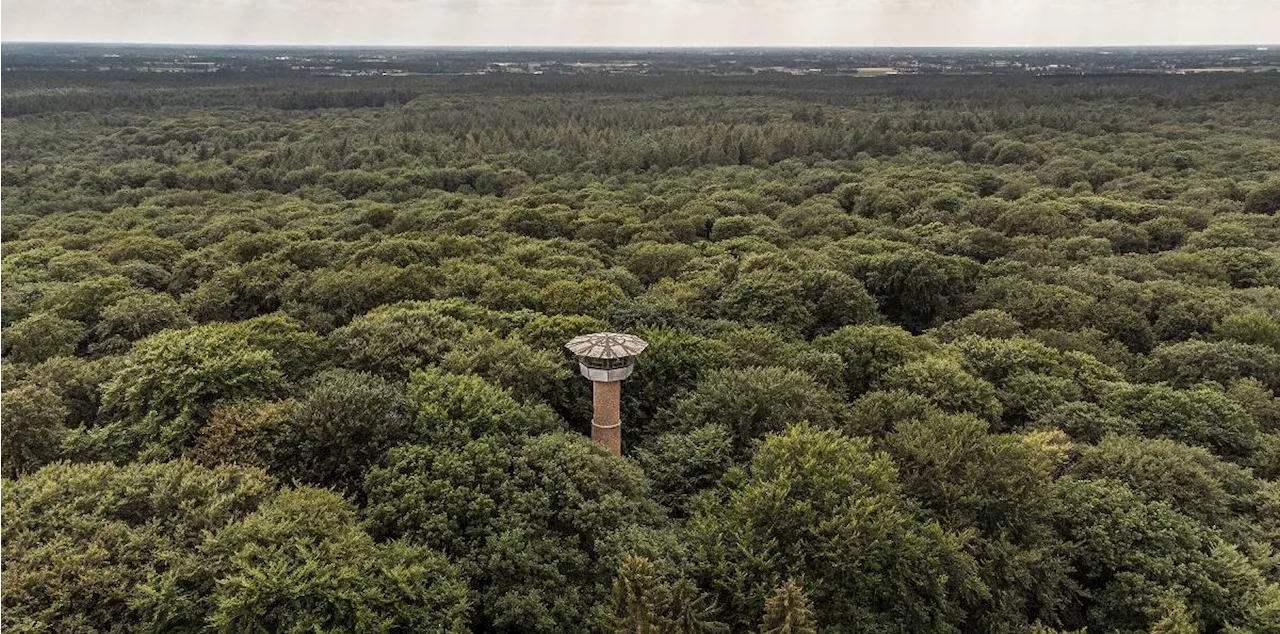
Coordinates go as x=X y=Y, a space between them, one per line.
x=646 y=22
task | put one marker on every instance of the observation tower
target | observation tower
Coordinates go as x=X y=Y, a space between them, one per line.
x=606 y=358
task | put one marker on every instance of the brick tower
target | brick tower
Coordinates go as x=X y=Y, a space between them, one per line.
x=606 y=358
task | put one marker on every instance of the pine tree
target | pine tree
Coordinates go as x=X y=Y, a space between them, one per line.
x=637 y=599
x=788 y=611
x=1040 y=628
x=690 y=612
x=1175 y=619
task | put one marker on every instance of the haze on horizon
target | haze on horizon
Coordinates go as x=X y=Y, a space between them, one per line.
x=646 y=22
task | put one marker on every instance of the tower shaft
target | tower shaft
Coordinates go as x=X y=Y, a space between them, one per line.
x=606 y=420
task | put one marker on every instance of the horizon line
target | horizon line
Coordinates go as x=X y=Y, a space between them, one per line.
x=638 y=46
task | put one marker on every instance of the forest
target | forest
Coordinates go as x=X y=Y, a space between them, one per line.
x=926 y=354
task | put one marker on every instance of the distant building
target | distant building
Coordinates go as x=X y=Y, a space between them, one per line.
x=1224 y=69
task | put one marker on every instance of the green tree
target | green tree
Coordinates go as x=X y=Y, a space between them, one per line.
x=1200 y=416
x=989 y=323
x=752 y=402
x=1174 y=620
x=869 y=352
x=673 y=364
x=689 y=611
x=1130 y=555
x=394 y=340
x=453 y=408
x=1254 y=328
x=83 y=301
x=945 y=382
x=34 y=424
x=83 y=541
x=823 y=506
x=529 y=521
x=589 y=297
x=788 y=611
x=916 y=288
x=551 y=332
x=42 y=336
x=1191 y=479
x=970 y=478
x=682 y=463
x=1085 y=422
x=137 y=316
x=1187 y=363
x=167 y=385
x=529 y=374
x=652 y=261
x=340 y=429
x=247 y=433
x=880 y=412
x=767 y=296
x=302 y=562
x=1265 y=198
x=637 y=599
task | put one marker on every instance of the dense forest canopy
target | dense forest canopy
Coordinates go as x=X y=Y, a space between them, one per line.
x=948 y=354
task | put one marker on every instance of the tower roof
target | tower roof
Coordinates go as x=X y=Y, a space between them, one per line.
x=606 y=345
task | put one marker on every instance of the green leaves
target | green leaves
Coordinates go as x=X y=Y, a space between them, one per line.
x=1199 y=416
x=643 y=603
x=177 y=547
x=788 y=611
x=164 y=389
x=42 y=336
x=340 y=429
x=949 y=359
x=453 y=409
x=1135 y=554
x=34 y=425
x=301 y=563
x=823 y=507
x=529 y=520
x=752 y=402
x=395 y=340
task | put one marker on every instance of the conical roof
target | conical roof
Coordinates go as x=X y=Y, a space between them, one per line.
x=606 y=345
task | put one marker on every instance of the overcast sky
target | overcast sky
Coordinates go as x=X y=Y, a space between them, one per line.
x=647 y=22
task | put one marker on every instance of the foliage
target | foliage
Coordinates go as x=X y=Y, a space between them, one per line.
x=1135 y=553
x=752 y=402
x=34 y=424
x=168 y=384
x=42 y=336
x=1200 y=416
x=956 y=355
x=682 y=463
x=394 y=340
x=177 y=547
x=137 y=316
x=947 y=385
x=821 y=506
x=1191 y=479
x=301 y=562
x=340 y=429
x=869 y=352
x=455 y=409
x=635 y=599
x=788 y=611
x=528 y=520
x=83 y=541
x=249 y=433
x=1175 y=620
